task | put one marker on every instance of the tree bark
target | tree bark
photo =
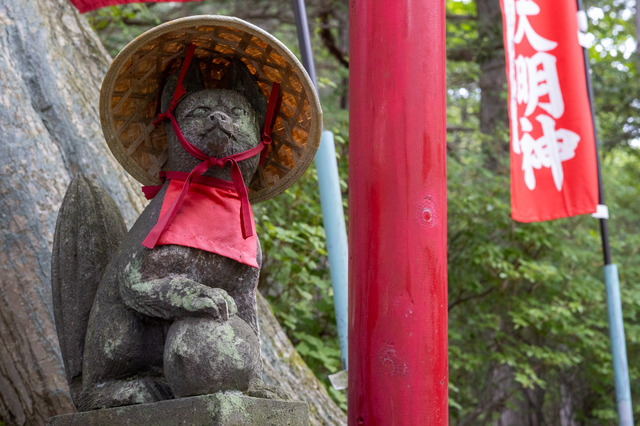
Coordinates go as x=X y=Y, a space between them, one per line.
x=493 y=107
x=51 y=68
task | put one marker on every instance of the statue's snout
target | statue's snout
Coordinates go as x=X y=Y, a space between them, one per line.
x=219 y=117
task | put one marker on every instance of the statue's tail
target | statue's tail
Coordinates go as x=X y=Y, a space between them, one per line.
x=88 y=231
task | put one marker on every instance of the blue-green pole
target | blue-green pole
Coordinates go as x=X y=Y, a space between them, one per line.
x=611 y=281
x=330 y=197
x=618 y=346
x=333 y=219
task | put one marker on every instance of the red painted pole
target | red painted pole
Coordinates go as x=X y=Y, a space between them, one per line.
x=397 y=214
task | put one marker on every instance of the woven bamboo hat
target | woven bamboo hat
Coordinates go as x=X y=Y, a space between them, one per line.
x=131 y=87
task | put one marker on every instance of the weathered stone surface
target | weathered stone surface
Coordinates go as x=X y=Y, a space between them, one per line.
x=221 y=409
x=88 y=231
x=204 y=356
x=220 y=122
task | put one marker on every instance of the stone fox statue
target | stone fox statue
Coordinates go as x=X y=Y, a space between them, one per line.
x=163 y=315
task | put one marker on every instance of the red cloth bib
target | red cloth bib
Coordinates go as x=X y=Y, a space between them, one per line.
x=209 y=219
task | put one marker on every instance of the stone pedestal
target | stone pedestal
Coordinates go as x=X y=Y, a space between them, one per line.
x=215 y=409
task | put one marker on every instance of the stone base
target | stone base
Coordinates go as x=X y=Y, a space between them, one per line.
x=215 y=409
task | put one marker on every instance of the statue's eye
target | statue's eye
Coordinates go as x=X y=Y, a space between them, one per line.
x=238 y=112
x=199 y=112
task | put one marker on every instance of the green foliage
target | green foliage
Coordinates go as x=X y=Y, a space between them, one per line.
x=529 y=298
x=528 y=330
x=615 y=75
x=113 y=24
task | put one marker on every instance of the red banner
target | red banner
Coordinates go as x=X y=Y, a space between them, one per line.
x=89 y=5
x=553 y=160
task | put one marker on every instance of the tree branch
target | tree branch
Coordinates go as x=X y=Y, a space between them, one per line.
x=456 y=17
x=460 y=129
x=496 y=402
x=460 y=300
x=462 y=54
x=329 y=40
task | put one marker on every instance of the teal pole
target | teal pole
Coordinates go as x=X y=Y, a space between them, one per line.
x=612 y=284
x=330 y=197
x=618 y=345
x=333 y=219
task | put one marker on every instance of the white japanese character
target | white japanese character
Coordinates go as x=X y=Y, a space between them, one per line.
x=524 y=9
x=549 y=151
x=522 y=79
x=537 y=77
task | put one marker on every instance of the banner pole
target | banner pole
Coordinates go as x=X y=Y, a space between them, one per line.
x=330 y=197
x=612 y=284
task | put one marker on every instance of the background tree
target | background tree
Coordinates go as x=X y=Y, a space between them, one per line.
x=51 y=70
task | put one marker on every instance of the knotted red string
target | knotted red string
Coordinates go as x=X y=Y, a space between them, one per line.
x=236 y=175
x=180 y=89
x=270 y=119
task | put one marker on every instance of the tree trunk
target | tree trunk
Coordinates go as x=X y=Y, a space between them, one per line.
x=51 y=68
x=493 y=107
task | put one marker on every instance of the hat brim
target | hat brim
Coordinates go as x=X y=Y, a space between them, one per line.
x=130 y=94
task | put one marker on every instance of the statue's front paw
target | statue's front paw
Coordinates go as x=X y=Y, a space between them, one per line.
x=258 y=389
x=215 y=303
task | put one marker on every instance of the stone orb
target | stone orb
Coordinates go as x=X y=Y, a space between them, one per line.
x=204 y=356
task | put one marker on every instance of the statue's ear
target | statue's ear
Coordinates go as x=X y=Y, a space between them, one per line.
x=192 y=83
x=241 y=80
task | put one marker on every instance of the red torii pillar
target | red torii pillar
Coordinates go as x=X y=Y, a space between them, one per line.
x=398 y=371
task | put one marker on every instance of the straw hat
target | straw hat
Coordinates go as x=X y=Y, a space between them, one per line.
x=130 y=93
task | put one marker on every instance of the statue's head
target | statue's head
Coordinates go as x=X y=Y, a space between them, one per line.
x=234 y=67
x=221 y=121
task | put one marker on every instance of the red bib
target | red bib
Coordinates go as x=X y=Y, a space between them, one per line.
x=209 y=219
